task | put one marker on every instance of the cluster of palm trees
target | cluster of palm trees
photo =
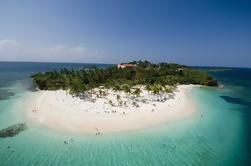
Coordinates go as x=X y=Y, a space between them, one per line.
x=156 y=78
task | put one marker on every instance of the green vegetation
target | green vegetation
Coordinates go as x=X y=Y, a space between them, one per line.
x=155 y=78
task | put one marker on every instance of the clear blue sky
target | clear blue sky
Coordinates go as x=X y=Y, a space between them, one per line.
x=192 y=32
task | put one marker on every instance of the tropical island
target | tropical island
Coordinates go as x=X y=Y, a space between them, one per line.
x=122 y=97
x=162 y=77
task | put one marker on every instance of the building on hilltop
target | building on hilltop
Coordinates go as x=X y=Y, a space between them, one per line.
x=126 y=65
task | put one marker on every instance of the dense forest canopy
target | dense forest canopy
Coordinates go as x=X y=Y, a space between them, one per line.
x=155 y=77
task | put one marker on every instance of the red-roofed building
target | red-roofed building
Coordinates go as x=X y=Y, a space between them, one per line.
x=126 y=65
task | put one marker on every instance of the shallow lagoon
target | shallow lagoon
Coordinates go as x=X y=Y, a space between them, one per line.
x=216 y=134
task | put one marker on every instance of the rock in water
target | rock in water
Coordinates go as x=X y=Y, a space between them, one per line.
x=5 y=94
x=12 y=130
x=212 y=83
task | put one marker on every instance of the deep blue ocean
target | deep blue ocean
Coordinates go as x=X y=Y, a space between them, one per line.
x=221 y=137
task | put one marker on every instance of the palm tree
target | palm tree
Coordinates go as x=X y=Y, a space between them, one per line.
x=156 y=89
x=118 y=97
x=135 y=104
x=168 y=89
x=126 y=88
x=137 y=92
x=148 y=87
x=116 y=88
x=75 y=87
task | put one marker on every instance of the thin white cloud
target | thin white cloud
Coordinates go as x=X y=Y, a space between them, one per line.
x=11 y=50
x=64 y=51
x=8 y=42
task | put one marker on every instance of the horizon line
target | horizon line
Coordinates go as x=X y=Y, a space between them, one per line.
x=118 y=63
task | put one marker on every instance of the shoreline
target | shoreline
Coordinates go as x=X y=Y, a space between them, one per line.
x=60 y=111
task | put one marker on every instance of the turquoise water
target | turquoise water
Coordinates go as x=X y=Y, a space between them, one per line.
x=216 y=134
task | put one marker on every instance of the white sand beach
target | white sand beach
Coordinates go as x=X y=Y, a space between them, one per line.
x=61 y=111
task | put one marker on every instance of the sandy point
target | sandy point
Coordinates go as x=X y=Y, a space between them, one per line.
x=59 y=110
